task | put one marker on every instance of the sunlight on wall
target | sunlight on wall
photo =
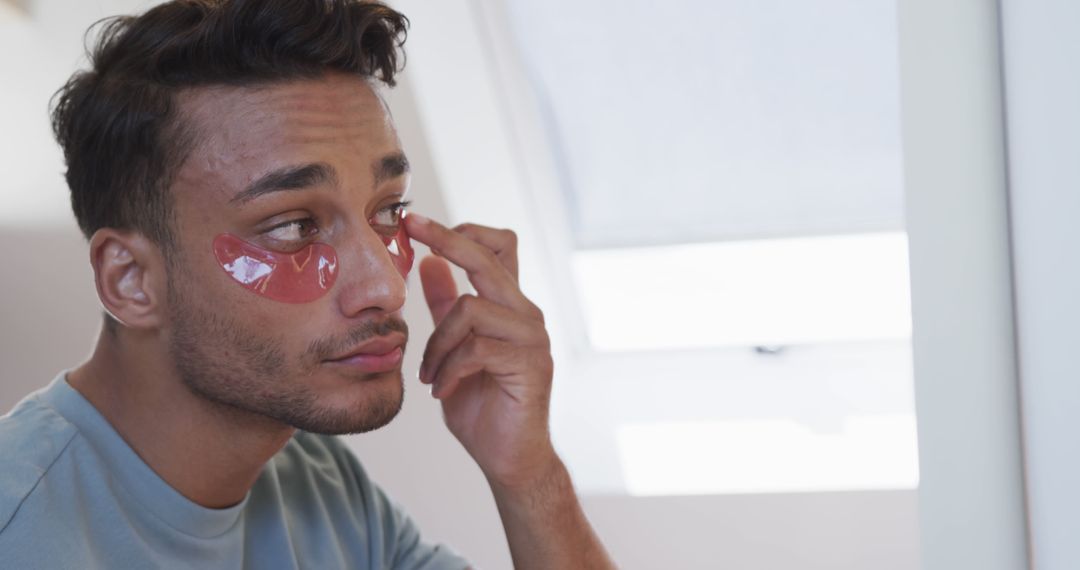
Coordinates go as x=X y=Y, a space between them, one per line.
x=769 y=455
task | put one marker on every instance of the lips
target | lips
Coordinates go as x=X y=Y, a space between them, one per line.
x=377 y=355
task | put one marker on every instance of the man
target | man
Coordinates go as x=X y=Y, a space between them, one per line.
x=242 y=189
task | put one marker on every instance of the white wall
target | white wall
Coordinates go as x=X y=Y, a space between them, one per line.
x=49 y=312
x=971 y=484
x=811 y=531
x=1041 y=50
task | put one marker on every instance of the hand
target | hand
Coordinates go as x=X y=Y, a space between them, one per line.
x=489 y=359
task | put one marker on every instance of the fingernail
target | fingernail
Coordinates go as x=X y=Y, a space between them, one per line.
x=417 y=218
x=435 y=390
x=421 y=375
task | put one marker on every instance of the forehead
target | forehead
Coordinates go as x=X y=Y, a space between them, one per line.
x=241 y=133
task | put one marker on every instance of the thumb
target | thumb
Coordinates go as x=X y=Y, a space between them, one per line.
x=440 y=290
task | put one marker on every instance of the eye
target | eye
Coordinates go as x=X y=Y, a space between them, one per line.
x=293 y=231
x=389 y=217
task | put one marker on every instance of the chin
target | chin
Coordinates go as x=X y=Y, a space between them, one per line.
x=365 y=403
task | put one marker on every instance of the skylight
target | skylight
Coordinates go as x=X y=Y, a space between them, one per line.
x=750 y=293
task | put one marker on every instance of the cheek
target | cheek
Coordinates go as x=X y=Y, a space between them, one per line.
x=299 y=277
x=401 y=251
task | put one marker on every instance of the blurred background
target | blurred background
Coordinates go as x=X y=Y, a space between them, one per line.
x=797 y=277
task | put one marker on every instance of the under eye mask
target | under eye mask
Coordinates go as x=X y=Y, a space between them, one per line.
x=401 y=251
x=298 y=277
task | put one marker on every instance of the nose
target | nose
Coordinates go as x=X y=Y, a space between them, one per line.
x=368 y=280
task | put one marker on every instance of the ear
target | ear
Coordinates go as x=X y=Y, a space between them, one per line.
x=129 y=272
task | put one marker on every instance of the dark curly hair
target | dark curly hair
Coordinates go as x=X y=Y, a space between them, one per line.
x=117 y=122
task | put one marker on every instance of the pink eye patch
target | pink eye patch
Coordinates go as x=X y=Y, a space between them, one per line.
x=401 y=251
x=298 y=277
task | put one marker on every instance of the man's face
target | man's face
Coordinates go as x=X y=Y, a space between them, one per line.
x=276 y=359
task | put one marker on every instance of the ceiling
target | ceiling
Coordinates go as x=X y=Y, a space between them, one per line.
x=719 y=120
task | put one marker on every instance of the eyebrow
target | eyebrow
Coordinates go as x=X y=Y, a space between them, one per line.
x=288 y=178
x=389 y=167
x=305 y=176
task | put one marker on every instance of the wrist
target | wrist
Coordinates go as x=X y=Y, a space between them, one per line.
x=545 y=524
x=540 y=475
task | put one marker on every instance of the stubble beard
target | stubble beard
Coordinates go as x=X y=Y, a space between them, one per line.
x=247 y=376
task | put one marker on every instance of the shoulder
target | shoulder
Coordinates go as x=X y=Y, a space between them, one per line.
x=32 y=437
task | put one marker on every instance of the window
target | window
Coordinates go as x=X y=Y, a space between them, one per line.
x=709 y=200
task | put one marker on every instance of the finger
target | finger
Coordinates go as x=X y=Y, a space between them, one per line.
x=478 y=354
x=472 y=315
x=498 y=358
x=490 y=278
x=503 y=243
x=440 y=290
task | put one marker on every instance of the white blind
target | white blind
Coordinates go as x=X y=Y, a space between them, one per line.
x=689 y=121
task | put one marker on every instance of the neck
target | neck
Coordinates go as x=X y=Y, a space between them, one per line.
x=210 y=453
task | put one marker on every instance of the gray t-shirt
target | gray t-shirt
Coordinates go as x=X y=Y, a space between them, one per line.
x=73 y=494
